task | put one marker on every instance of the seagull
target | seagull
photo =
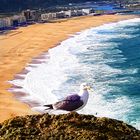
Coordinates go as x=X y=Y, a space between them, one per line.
x=72 y=102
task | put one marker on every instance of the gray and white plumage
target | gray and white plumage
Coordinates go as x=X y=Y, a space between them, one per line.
x=72 y=102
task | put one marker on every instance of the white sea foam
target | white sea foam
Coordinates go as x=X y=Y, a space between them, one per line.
x=99 y=106
x=82 y=58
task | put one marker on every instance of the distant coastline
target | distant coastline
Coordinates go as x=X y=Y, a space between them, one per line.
x=24 y=17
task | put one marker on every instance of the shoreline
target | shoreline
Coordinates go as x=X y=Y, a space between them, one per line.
x=21 y=46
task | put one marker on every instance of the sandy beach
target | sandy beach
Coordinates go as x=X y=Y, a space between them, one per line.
x=18 y=47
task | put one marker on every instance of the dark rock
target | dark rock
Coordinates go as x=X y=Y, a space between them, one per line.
x=70 y=126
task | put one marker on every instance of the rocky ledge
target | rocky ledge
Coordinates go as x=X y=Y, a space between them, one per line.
x=72 y=126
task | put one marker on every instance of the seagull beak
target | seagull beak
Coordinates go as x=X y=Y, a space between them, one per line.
x=89 y=88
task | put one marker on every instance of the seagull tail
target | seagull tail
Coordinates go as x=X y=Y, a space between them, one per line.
x=49 y=106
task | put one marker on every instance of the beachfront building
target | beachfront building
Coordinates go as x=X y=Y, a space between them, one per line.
x=60 y=14
x=12 y=21
x=31 y=15
x=133 y=6
x=87 y=11
x=53 y=15
x=27 y=14
x=79 y=12
x=67 y=13
x=45 y=17
x=5 y=22
x=48 y=16
x=70 y=13
x=73 y=13
x=18 y=20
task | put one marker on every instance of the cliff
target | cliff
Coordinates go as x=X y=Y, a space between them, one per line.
x=70 y=126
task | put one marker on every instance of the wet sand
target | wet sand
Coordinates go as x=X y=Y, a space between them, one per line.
x=18 y=47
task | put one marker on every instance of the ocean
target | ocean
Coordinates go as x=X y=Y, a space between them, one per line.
x=107 y=57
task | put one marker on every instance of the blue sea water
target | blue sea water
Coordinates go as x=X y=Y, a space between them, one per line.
x=106 y=57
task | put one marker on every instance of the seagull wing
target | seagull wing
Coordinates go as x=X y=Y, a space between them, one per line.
x=73 y=97
x=70 y=103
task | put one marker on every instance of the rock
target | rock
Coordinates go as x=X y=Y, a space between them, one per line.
x=71 y=126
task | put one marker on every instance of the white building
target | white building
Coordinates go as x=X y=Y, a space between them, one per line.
x=31 y=15
x=17 y=20
x=87 y=11
x=67 y=13
x=48 y=16
x=60 y=14
x=74 y=13
x=2 y=23
x=79 y=12
x=12 y=21
x=44 y=17
x=5 y=22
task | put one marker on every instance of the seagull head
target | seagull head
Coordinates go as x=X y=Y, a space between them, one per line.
x=85 y=86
